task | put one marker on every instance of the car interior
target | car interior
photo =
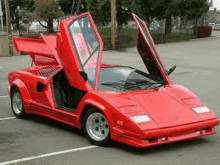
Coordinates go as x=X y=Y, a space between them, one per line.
x=66 y=96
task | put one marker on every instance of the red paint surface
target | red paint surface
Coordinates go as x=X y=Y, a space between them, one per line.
x=169 y=108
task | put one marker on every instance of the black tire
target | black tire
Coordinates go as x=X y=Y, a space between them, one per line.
x=102 y=128
x=17 y=109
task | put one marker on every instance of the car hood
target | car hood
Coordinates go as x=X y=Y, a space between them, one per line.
x=166 y=107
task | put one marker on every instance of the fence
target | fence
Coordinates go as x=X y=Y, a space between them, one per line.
x=181 y=29
x=126 y=35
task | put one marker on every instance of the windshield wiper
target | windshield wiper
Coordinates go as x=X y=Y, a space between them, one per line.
x=141 y=83
x=155 y=83
x=159 y=86
x=132 y=85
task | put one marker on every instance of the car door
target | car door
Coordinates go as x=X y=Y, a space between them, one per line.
x=148 y=51
x=79 y=48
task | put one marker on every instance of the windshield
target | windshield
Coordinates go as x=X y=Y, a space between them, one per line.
x=124 y=79
x=86 y=44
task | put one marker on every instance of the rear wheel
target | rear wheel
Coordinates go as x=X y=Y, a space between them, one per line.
x=96 y=127
x=17 y=103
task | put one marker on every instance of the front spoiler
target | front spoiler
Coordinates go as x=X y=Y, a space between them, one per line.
x=165 y=135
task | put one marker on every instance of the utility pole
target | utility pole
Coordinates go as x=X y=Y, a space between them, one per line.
x=9 y=32
x=113 y=23
x=73 y=4
x=1 y=15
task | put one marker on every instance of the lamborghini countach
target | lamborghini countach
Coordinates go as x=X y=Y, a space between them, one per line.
x=109 y=102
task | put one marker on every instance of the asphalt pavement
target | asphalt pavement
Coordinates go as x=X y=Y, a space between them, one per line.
x=38 y=140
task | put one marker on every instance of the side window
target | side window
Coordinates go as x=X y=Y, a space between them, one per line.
x=150 y=42
x=147 y=50
x=79 y=41
x=86 y=44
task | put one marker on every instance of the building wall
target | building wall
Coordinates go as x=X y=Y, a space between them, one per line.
x=213 y=16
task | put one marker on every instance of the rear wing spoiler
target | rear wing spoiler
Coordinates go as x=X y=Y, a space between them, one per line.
x=44 y=48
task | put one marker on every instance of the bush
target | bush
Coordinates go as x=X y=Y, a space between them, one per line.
x=123 y=40
x=202 y=31
x=31 y=35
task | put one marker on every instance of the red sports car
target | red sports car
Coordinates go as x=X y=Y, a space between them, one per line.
x=68 y=83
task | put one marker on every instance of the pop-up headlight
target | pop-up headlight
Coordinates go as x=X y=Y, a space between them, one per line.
x=203 y=109
x=140 y=118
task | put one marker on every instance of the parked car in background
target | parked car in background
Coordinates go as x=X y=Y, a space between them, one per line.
x=217 y=27
x=212 y=25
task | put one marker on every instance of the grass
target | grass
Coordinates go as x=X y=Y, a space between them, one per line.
x=104 y=31
x=107 y=31
x=183 y=35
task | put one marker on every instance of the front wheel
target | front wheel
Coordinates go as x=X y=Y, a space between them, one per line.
x=96 y=127
x=17 y=104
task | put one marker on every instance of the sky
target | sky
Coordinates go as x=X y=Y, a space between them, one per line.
x=216 y=3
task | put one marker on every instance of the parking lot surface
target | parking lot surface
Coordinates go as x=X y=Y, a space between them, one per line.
x=38 y=140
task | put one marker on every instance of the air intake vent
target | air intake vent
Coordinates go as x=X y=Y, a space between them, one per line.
x=46 y=71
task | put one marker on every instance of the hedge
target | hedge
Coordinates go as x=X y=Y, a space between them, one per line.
x=123 y=40
x=202 y=31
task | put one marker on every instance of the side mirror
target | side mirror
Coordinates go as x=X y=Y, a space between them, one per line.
x=84 y=75
x=171 y=70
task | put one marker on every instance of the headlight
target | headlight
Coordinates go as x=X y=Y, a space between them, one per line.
x=140 y=118
x=201 y=109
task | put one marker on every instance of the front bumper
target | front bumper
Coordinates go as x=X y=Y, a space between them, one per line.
x=166 y=135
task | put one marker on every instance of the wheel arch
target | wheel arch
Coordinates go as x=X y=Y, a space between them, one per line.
x=22 y=89
x=14 y=86
x=94 y=104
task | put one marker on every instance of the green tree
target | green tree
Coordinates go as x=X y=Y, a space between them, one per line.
x=123 y=8
x=101 y=11
x=66 y=6
x=144 y=9
x=166 y=9
x=47 y=10
x=159 y=9
x=14 y=7
x=196 y=8
x=192 y=9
